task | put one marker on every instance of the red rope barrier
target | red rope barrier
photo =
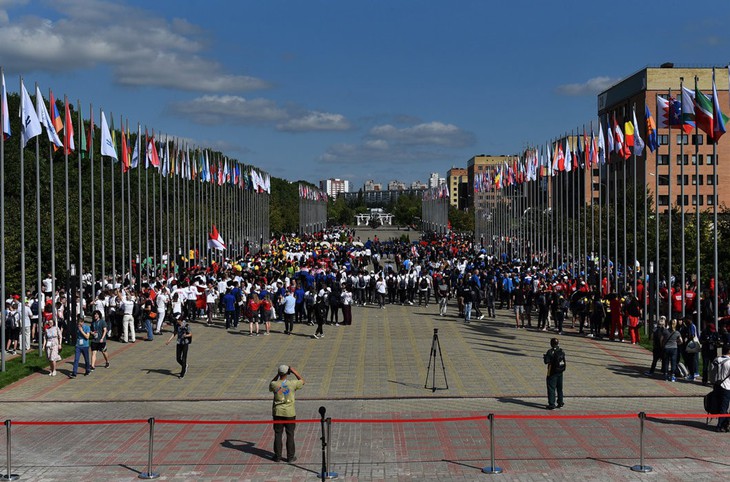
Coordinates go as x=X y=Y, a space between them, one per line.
x=687 y=415
x=83 y=422
x=565 y=417
x=411 y=420
x=235 y=422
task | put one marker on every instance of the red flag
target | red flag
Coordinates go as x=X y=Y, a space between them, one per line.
x=125 y=152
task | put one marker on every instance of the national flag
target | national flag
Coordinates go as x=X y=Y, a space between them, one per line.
x=135 y=154
x=84 y=147
x=125 y=151
x=586 y=150
x=593 y=157
x=568 y=156
x=68 y=132
x=609 y=139
x=718 y=119
x=670 y=113
x=629 y=131
x=45 y=119
x=55 y=117
x=618 y=137
x=4 y=100
x=601 y=145
x=703 y=112
x=215 y=240
x=651 y=135
x=638 y=141
x=152 y=157
x=559 y=164
x=688 y=110
x=90 y=132
x=107 y=145
x=30 y=126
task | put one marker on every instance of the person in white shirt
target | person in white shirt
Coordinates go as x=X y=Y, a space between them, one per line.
x=161 y=300
x=128 y=319
x=211 y=296
x=381 y=289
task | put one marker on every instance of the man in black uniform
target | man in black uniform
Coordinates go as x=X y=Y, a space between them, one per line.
x=555 y=361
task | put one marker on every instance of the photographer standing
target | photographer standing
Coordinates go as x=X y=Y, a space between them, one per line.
x=555 y=361
x=184 y=338
x=283 y=409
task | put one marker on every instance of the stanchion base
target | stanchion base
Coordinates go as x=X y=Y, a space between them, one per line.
x=149 y=475
x=645 y=469
x=10 y=477
x=328 y=475
x=492 y=470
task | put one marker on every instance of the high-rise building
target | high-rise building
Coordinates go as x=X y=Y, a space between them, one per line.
x=457 y=180
x=683 y=160
x=333 y=186
x=477 y=165
x=371 y=185
x=433 y=180
x=396 y=185
x=418 y=184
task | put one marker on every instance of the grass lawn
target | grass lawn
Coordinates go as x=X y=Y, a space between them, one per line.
x=15 y=369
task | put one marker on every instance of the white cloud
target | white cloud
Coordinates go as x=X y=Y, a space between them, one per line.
x=315 y=121
x=593 y=86
x=232 y=109
x=140 y=48
x=411 y=144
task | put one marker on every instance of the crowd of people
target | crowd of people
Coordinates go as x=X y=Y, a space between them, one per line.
x=316 y=280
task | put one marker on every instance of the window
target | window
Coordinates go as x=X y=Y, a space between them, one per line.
x=663 y=180
x=596 y=186
x=596 y=172
x=663 y=159
x=694 y=200
x=695 y=179
x=686 y=180
x=663 y=139
x=710 y=200
x=663 y=200
x=679 y=159
x=711 y=159
x=710 y=180
x=679 y=200
x=697 y=140
x=694 y=159
x=682 y=139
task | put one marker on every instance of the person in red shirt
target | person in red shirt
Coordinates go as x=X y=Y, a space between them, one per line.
x=690 y=298
x=677 y=302
x=252 y=313
x=616 y=318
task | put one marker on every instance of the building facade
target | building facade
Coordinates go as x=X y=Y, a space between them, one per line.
x=478 y=164
x=371 y=185
x=333 y=186
x=457 y=180
x=683 y=161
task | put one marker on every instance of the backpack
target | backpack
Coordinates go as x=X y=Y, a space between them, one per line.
x=557 y=361
x=12 y=320
x=423 y=284
x=402 y=283
x=361 y=282
x=411 y=282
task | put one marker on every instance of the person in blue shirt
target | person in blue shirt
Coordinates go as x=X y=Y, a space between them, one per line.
x=229 y=304
x=83 y=332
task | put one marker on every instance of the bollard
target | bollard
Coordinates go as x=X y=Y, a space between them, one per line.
x=641 y=467
x=492 y=469
x=149 y=474
x=10 y=475
x=330 y=475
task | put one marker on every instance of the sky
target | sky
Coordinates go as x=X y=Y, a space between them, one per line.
x=377 y=89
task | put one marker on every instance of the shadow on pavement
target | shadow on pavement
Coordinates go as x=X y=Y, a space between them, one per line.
x=684 y=422
x=524 y=403
x=161 y=371
x=247 y=448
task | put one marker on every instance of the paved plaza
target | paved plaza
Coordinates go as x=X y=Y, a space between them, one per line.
x=373 y=370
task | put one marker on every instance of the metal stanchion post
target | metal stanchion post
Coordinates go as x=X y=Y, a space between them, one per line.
x=641 y=467
x=492 y=469
x=10 y=475
x=149 y=474
x=330 y=475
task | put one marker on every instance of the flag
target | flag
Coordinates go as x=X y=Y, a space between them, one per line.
x=601 y=145
x=609 y=139
x=586 y=150
x=30 y=126
x=152 y=157
x=135 y=154
x=703 y=112
x=718 y=119
x=215 y=240
x=68 y=132
x=45 y=119
x=670 y=113
x=84 y=148
x=688 y=110
x=638 y=141
x=107 y=146
x=629 y=130
x=593 y=157
x=568 y=156
x=559 y=164
x=4 y=100
x=125 y=151
x=651 y=136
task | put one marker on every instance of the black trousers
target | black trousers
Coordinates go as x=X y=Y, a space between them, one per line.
x=288 y=322
x=278 y=431
x=182 y=356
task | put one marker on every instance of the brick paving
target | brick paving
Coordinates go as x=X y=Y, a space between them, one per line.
x=374 y=369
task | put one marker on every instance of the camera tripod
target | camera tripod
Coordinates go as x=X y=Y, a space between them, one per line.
x=435 y=346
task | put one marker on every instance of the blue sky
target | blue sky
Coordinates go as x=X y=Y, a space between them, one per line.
x=357 y=90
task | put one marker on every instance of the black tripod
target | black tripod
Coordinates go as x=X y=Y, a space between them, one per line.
x=435 y=345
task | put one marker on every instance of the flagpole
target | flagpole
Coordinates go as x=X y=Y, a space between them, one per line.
x=635 y=211
x=698 y=283
x=3 y=100
x=669 y=210
x=623 y=220
x=609 y=269
x=38 y=233
x=129 y=217
x=92 y=207
x=103 y=214
x=123 y=167
x=69 y=292
x=682 y=204
x=645 y=267
x=601 y=166
x=657 y=267
x=22 y=229
x=51 y=168
x=139 y=205
x=167 y=205
x=113 y=217
x=81 y=219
